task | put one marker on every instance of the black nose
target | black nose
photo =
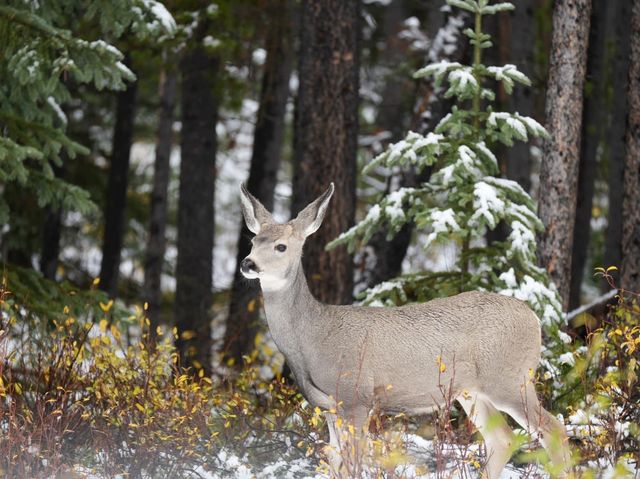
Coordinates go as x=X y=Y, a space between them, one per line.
x=248 y=265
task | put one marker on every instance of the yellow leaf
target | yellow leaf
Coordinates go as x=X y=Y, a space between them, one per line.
x=106 y=307
x=146 y=306
x=115 y=331
x=441 y=364
x=103 y=325
x=187 y=335
x=140 y=407
x=96 y=281
x=251 y=307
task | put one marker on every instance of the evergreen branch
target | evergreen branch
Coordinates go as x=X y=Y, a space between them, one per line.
x=33 y=22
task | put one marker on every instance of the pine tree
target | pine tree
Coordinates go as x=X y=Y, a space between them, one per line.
x=41 y=53
x=561 y=151
x=631 y=224
x=464 y=198
x=326 y=135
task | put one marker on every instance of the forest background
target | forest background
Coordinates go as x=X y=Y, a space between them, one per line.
x=127 y=332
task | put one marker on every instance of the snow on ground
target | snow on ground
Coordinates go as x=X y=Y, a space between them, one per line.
x=420 y=464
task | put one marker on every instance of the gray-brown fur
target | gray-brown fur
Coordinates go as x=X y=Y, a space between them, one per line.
x=356 y=357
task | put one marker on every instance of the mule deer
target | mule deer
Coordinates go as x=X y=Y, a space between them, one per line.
x=344 y=358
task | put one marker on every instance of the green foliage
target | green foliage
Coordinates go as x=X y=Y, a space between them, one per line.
x=603 y=391
x=464 y=199
x=43 y=54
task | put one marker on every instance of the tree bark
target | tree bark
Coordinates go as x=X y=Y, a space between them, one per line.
x=156 y=241
x=393 y=113
x=621 y=24
x=389 y=255
x=194 y=269
x=561 y=153
x=325 y=143
x=593 y=121
x=522 y=54
x=116 y=198
x=244 y=308
x=51 y=233
x=631 y=213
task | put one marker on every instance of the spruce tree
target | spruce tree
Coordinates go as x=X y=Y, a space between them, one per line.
x=42 y=54
x=465 y=198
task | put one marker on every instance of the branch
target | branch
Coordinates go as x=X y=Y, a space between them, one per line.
x=599 y=301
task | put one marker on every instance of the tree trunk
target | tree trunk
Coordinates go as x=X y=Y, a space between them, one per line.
x=116 y=198
x=194 y=269
x=561 y=153
x=393 y=112
x=593 y=121
x=244 y=307
x=429 y=109
x=616 y=134
x=522 y=54
x=51 y=232
x=156 y=241
x=325 y=145
x=631 y=213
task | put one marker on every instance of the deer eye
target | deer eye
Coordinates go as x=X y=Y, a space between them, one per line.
x=281 y=248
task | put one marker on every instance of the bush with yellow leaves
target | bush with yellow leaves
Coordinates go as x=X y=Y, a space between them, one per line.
x=605 y=417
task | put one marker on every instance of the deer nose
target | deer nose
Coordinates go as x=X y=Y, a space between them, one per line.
x=248 y=265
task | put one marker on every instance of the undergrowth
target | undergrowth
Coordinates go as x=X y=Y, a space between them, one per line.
x=97 y=396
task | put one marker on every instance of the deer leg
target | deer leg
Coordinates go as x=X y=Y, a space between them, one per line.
x=523 y=406
x=497 y=436
x=332 y=451
x=341 y=436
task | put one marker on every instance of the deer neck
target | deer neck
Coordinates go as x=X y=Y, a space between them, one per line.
x=289 y=308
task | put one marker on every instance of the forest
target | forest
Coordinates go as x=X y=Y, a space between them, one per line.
x=426 y=148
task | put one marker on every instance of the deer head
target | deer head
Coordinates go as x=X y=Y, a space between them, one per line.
x=277 y=248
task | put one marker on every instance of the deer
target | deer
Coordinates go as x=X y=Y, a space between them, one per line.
x=346 y=359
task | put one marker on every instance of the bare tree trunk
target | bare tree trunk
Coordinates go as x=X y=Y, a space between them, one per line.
x=51 y=242
x=522 y=41
x=244 y=308
x=593 y=126
x=116 y=198
x=561 y=153
x=430 y=107
x=156 y=241
x=393 y=113
x=194 y=270
x=51 y=232
x=616 y=133
x=631 y=213
x=326 y=136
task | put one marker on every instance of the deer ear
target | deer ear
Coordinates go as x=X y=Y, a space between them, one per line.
x=255 y=215
x=309 y=219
